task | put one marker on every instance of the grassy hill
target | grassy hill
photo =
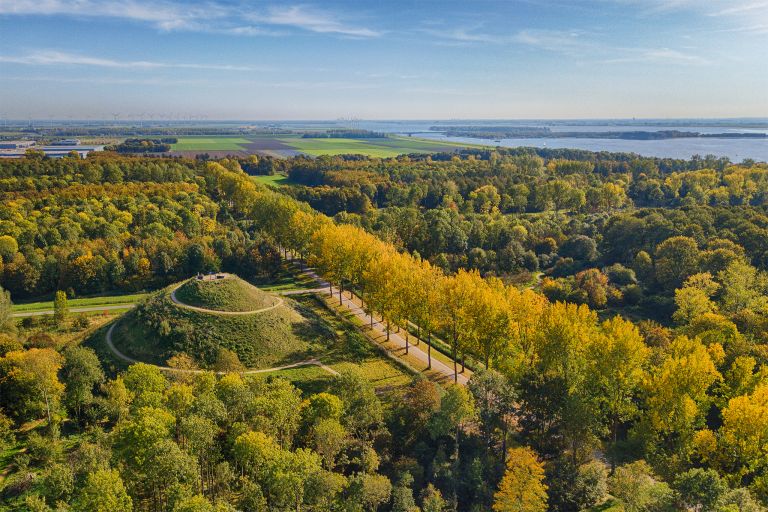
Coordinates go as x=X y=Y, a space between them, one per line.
x=230 y=294
x=158 y=328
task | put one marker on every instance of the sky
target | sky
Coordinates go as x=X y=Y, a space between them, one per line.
x=383 y=59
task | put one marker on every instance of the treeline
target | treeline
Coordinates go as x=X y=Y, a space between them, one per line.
x=198 y=442
x=144 y=145
x=104 y=224
x=514 y=213
x=344 y=134
x=671 y=397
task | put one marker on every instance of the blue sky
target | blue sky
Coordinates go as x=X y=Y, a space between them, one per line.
x=385 y=59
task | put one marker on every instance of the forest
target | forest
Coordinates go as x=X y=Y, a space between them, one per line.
x=612 y=310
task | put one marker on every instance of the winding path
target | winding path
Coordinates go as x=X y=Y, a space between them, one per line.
x=176 y=301
x=308 y=362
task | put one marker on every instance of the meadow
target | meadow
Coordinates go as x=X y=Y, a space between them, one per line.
x=86 y=302
x=210 y=143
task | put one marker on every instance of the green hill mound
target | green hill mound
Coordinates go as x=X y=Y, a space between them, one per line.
x=158 y=328
x=228 y=294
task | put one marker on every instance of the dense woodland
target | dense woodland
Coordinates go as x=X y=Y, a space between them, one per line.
x=579 y=396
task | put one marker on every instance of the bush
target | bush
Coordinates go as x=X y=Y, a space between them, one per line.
x=81 y=322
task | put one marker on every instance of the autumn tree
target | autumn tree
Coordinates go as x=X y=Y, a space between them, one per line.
x=617 y=369
x=522 y=488
x=29 y=383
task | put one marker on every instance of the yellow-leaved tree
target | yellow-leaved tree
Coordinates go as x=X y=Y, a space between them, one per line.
x=522 y=488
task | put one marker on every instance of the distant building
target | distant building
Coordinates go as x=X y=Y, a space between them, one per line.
x=66 y=142
x=16 y=144
x=51 y=151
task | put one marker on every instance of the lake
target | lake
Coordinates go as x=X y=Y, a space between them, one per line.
x=734 y=149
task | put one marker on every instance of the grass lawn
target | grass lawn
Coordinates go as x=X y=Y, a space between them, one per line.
x=107 y=300
x=229 y=294
x=330 y=337
x=287 y=279
x=275 y=180
x=210 y=143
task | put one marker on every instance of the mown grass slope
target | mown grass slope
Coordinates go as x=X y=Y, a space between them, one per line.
x=157 y=329
x=229 y=294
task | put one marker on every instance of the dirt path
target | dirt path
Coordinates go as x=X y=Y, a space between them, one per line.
x=176 y=301
x=117 y=353
x=379 y=333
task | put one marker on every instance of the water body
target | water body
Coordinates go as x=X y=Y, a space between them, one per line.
x=734 y=149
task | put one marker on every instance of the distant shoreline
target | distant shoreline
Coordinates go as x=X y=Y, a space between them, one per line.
x=524 y=132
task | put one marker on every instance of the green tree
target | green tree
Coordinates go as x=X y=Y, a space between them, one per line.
x=103 y=491
x=693 y=299
x=432 y=500
x=456 y=409
x=330 y=438
x=8 y=248
x=699 y=489
x=638 y=489
x=60 y=308
x=5 y=310
x=198 y=503
x=146 y=385
x=676 y=259
x=82 y=372
x=402 y=495
x=368 y=491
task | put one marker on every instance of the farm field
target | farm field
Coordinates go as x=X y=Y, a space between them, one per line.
x=204 y=143
x=282 y=145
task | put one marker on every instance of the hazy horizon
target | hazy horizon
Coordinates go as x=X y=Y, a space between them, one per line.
x=414 y=60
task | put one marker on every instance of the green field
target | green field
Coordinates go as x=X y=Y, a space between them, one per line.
x=210 y=144
x=110 y=300
x=285 y=144
x=318 y=147
x=230 y=294
x=275 y=180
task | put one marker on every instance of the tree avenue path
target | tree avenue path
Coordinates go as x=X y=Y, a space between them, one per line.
x=117 y=353
x=378 y=331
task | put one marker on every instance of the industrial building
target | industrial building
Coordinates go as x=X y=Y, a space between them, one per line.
x=17 y=144
x=50 y=151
